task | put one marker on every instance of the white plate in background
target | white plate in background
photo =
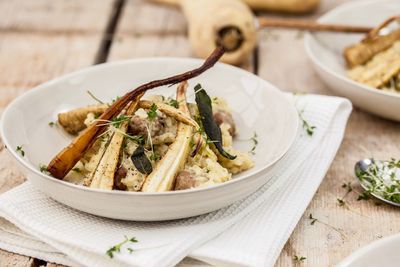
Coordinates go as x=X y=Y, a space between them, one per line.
x=326 y=53
x=384 y=252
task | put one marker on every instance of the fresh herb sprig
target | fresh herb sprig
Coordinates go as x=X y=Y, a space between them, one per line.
x=309 y=128
x=314 y=220
x=77 y=170
x=381 y=178
x=341 y=201
x=117 y=248
x=94 y=97
x=299 y=259
x=116 y=122
x=20 y=150
x=255 y=143
x=152 y=113
x=174 y=103
x=43 y=169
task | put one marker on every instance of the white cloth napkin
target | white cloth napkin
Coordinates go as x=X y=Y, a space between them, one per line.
x=251 y=232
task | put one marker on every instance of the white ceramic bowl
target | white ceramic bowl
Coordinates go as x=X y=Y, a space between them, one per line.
x=326 y=53
x=258 y=106
x=384 y=252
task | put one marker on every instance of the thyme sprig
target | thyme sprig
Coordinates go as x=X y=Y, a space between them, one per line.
x=94 y=97
x=174 y=103
x=152 y=113
x=117 y=248
x=43 y=169
x=314 y=220
x=299 y=259
x=116 y=122
x=255 y=143
x=349 y=187
x=20 y=150
x=309 y=128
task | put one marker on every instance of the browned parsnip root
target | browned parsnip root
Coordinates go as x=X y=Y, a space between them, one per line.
x=65 y=160
x=371 y=45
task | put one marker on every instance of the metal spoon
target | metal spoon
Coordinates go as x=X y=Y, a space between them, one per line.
x=362 y=167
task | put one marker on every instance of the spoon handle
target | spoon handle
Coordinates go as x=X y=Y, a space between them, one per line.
x=310 y=25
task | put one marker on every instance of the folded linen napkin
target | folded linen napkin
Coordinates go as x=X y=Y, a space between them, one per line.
x=45 y=229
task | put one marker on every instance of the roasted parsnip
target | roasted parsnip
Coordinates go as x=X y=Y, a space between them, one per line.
x=163 y=176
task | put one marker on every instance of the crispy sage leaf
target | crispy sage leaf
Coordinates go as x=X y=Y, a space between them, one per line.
x=140 y=160
x=211 y=128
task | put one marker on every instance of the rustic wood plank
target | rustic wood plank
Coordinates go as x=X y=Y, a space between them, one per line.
x=143 y=17
x=8 y=259
x=40 y=40
x=54 y=17
x=27 y=60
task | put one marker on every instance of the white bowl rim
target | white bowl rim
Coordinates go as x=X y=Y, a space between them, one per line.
x=43 y=86
x=311 y=55
x=365 y=249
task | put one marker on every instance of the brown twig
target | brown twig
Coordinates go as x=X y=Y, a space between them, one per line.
x=65 y=160
x=309 y=25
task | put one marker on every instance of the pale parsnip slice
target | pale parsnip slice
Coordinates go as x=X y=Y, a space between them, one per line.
x=73 y=121
x=163 y=176
x=103 y=177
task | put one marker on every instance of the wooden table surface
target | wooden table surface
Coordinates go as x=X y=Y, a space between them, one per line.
x=43 y=39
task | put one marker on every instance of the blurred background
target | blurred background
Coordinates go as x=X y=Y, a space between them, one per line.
x=43 y=39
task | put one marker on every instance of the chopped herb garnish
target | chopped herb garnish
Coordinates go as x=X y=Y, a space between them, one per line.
x=116 y=122
x=20 y=150
x=152 y=113
x=349 y=187
x=43 y=169
x=137 y=138
x=382 y=179
x=52 y=123
x=363 y=196
x=255 y=143
x=155 y=156
x=341 y=202
x=117 y=248
x=306 y=125
x=77 y=170
x=115 y=99
x=313 y=220
x=299 y=258
x=173 y=103
x=94 y=97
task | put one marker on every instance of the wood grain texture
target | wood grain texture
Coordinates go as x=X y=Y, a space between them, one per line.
x=40 y=40
x=54 y=17
x=33 y=50
x=8 y=259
